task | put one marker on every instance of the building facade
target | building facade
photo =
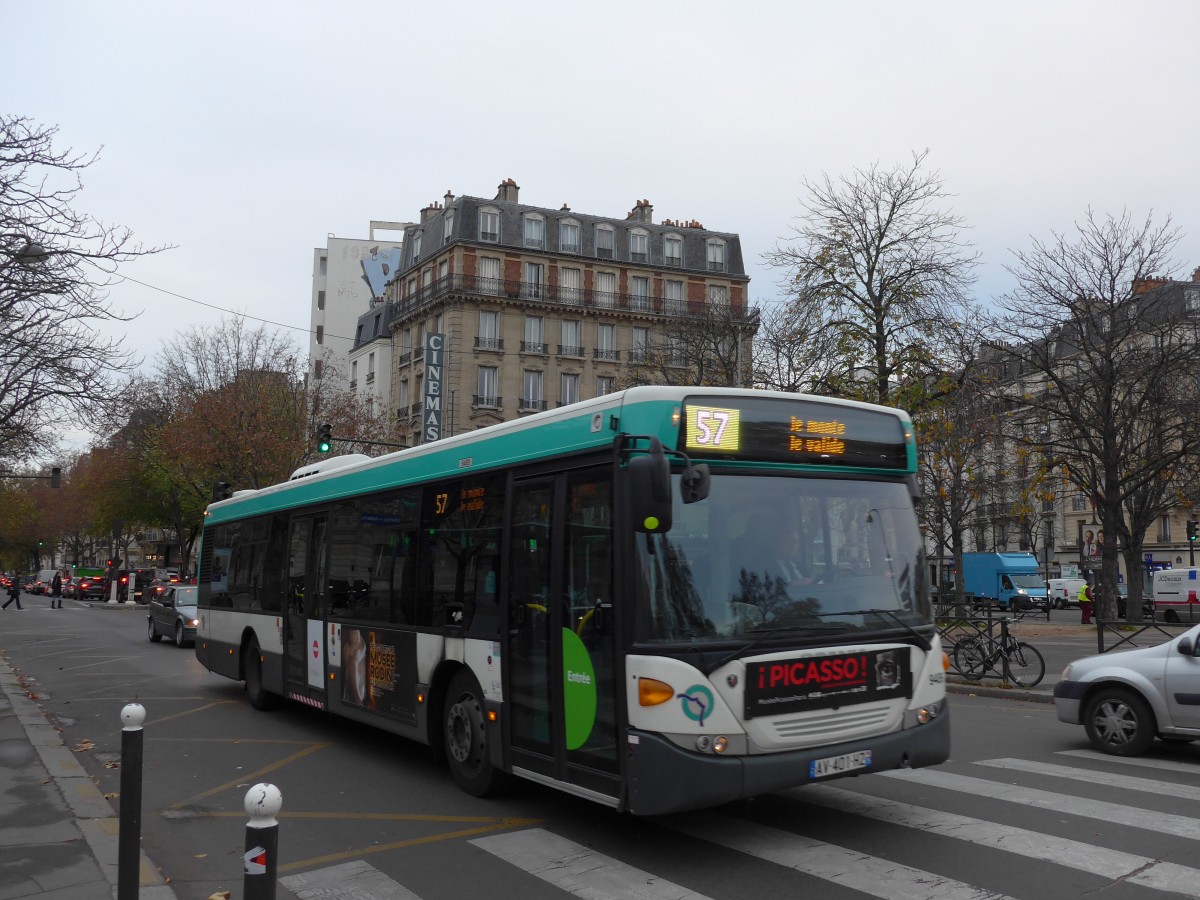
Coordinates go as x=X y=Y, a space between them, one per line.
x=543 y=307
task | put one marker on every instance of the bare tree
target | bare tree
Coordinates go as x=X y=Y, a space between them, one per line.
x=1104 y=355
x=793 y=351
x=56 y=265
x=709 y=344
x=882 y=267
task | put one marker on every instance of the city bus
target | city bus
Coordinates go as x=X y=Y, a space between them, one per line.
x=661 y=599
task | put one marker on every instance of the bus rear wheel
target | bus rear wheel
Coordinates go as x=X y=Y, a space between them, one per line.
x=260 y=697
x=465 y=737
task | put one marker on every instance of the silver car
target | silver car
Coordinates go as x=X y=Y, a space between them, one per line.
x=1125 y=700
x=172 y=611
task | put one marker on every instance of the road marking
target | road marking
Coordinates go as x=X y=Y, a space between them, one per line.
x=358 y=879
x=188 y=712
x=579 y=870
x=1125 y=782
x=1181 y=826
x=410 y=842
x=1168 y=765
x=251 y=777
x=1114 y=864
x=850 y=868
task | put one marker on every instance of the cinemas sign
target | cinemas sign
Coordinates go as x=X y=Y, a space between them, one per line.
x=791 y=685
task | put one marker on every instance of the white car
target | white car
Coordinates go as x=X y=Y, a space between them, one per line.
x=1125 y=700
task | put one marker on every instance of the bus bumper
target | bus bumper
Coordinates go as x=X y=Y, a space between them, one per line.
x=665 y=778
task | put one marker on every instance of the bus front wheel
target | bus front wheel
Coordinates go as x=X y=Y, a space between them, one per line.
x=260 y=697
x=465 y=736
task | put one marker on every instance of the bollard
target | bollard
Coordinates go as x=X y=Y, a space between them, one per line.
x=129 y=846
x=263 y=802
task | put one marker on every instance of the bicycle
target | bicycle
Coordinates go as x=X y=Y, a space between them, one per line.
x=1020 y=663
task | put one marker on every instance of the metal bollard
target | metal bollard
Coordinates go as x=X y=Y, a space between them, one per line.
x=263 y=802
x=129 y=842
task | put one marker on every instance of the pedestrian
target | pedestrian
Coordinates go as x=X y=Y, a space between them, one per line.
x=14 y=592
x=56 y=591
x=1085 y=604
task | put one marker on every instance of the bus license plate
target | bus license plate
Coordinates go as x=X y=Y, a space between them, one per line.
x=836 y=765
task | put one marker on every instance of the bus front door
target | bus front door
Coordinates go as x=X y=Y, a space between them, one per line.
x=305 y=597
x=562 y=652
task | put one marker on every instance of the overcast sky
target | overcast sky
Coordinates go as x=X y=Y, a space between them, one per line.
x=244 y=133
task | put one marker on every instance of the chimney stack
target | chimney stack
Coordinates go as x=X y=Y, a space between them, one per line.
x=642 y=212
x=449 y=198
x=1149 y=283
x=507 y=191
x=1196 y=275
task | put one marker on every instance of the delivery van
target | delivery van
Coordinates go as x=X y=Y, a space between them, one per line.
x=1064 y=592
x=1177 y=595
x=45 y=578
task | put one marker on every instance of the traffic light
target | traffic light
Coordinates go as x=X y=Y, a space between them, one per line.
x=325 y=439
x=1193 y=529
x=221 y=491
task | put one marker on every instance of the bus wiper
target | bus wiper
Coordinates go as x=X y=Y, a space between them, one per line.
x=925 y=643
x=763 y=634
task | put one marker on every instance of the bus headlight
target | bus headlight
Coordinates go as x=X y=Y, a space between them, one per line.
x=927 y=714
x=720 y=744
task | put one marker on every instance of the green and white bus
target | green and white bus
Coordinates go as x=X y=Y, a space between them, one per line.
x=661 y=599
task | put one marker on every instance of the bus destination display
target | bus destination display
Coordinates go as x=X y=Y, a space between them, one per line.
x=793 y=431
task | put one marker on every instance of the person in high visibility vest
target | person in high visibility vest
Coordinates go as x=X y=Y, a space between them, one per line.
x=1085 y=603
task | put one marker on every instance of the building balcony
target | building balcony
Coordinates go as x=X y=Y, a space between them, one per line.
x=527 y=405
x=533 y=347
x=611 y=355
x=555 y=296
x=370 y=377
x=482 y=343
x=482 y=401
x=564 y=350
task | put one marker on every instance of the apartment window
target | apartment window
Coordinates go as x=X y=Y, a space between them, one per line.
x=534 y=227
x=370 y=367
x=718 y=295
x=673 y=250
x=1192 y=298
x=487 y=387
x=532 y=286
x=358 y=334
x=639 y=246
x=412 y=286
x=489 y=331
x=378 y=323
x=604 y=241
x=570 y=389
x=489 y=225
x=444 y=270
x=531 y=391
x=416 y=246
x=1164 y=530
x=353 y=374
x=674 y=292
x=639 y=288
x=320 y=334
x=323 y=265
x=606 y=342
x=489 y=275
x=570 y=285
x=604 y=385
x=447 y=227
x=319 y=369
x=320 y=299
x=606 y=289
x=535 y=341
x=716 y=256
x=404 y=397
x=572 y=341
x=568 y=237
x=641 y=342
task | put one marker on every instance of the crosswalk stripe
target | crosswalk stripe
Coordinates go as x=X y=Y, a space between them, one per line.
x=1166 y=765
x=1110 y=779
x=579 y=870
x=1114 y=864
x=1165 y=823
x=850 y=868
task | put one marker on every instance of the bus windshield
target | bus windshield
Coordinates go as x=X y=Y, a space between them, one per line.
x=797 y=554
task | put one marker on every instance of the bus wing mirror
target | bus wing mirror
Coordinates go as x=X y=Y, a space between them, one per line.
x=694 y=483
x=649 y=479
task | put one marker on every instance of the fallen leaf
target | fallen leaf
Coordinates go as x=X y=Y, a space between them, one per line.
x=112 y=795
x=112 y=765
x=219 y=895
x=201 y=856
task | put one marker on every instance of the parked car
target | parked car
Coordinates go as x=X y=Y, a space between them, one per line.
x=1125 y=700
x=172 y=611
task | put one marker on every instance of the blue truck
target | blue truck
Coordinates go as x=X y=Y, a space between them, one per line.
x=1011 y=581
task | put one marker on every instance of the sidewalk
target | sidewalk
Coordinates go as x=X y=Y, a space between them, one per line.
x=59 y=834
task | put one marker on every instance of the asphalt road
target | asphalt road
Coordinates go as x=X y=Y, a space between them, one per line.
x=1023 y=809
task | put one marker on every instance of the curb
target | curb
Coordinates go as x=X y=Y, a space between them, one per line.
x=1029 y=695
x=93 y=814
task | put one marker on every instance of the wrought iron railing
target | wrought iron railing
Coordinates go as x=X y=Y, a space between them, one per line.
x=482 y=401
x=533 y=347
x=565 y=350
x=482 y=343
x=527 y=405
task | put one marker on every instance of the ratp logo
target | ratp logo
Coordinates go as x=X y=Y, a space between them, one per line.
x=697 y=702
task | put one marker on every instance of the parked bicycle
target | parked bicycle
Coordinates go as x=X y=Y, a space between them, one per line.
x=1007 y=657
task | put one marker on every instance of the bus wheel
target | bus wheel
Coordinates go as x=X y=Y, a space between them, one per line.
x=465 y=735
x=260 y=697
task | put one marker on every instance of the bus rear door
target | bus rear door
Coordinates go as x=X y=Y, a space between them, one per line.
x=303 y=629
